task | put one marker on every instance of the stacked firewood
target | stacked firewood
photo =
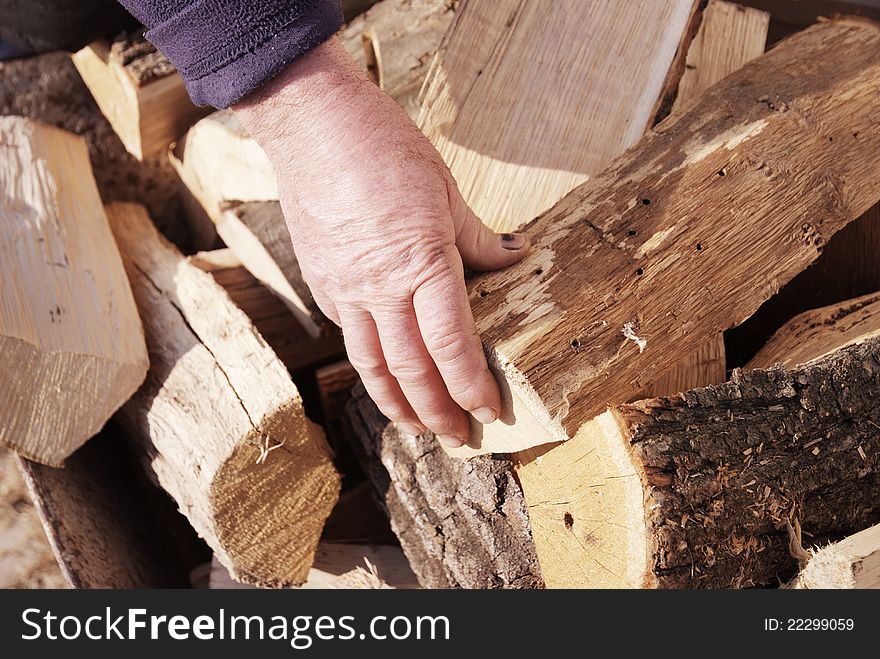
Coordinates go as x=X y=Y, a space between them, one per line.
x=689 y=357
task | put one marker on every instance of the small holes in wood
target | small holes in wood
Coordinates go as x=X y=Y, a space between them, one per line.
x=568 y=520
x=631 y=232
x=646 y=201
x=640 y=272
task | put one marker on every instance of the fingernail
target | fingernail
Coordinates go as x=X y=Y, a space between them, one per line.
x=513 y=241
x=451 y=441
x=485 y=415
x=410 y=428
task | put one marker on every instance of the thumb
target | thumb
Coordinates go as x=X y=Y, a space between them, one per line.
x=481 y=248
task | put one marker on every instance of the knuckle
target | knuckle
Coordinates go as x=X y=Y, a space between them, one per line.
x=452 y=347
x=440 y=422
x=369 y=369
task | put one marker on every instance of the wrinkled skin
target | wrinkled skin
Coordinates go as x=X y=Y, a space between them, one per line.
x=383 y=237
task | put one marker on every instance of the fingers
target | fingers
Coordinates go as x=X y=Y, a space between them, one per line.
x=325 y=304
x=480 y=247
x=450 y=336
x=365 y=354
x=412 y=366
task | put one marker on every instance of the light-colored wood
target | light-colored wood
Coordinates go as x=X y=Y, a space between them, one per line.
x=147 y=114
x=636 y=269
x=107 y=525
x=854 y=562
x=729 y=36
x=280 y=328
x=219 y=421
x=217 y=161
x=395 y=42
x=26 y=559
x=695 y=490
x=517 y=87
x=257 y=233
x=70 y=337
x=816 y=333
x=336 y=565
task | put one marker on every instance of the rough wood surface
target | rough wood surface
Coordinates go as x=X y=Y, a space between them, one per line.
x=48 y=88
x=26 y=559
x=334 y=389
x=257 y=233
x=280 y=328
x=633 y=270
x=698 y=490
x=462 y=524
x=219 y=421
x=729 y=37
x=140 y=93
x=108 y=526
x=68 y=322
x=854 y=562
x=803 y=13
x=395 y=42
x=847 y=268
x=501 y=105
x=816 y=333
x=217 y=161
x=349 y=566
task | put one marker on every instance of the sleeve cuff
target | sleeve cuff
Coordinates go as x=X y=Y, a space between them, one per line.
x=223 y=60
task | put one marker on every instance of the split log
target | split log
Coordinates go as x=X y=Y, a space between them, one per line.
x=508 y=162
x=729 y=37
x=847 y=268
x=139 y=92
x=347 y=566
x=219 y=422
x=69 y=328
x=217 y=161
x=854 y=562
x=282 y=331
x=803 y=13
x=334 y=389
x=257 y=233
x=816 y=333
x=108 y=526
x=395 y=42
x=697 y=490
x=462 y=524
x=654 y=274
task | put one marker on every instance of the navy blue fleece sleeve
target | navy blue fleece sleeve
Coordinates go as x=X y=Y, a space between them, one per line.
x=225 y=49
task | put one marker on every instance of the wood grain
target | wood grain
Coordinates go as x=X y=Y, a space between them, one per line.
x=815 y=333
x=650 y=273
x=518 y=85
x=730 y=36
x=219 y=422
x=696 y=490
x=70 y=334
x=853 y=562
x=282 y=331
x=139 y=93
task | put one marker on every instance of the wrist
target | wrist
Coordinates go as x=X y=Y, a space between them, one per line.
x=302 y=99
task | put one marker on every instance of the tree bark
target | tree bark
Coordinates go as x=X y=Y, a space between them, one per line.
x=462 y=524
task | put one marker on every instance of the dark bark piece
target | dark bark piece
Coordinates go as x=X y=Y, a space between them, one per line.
x=140 y=59
x=462 y=524
x=742 y=458
x=108 y=526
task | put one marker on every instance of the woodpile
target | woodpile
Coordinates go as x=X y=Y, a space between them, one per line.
x=689 y=357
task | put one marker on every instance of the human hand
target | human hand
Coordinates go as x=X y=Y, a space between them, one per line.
x=382 y=236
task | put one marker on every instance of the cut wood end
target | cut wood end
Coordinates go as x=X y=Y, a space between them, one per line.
x=602 y=511
x=259 y=547
x=524 y=421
